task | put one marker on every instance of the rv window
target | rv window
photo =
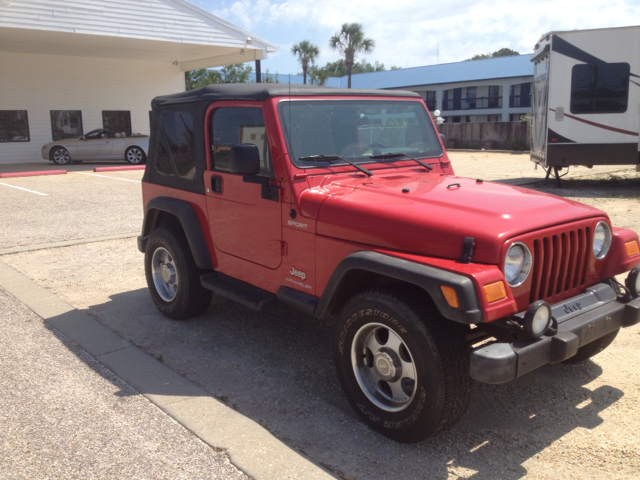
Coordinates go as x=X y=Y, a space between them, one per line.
x=600 y=88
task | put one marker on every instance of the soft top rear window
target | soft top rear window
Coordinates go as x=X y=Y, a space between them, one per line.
x=357 y=130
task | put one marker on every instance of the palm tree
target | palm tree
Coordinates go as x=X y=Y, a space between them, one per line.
x=349 y=41
x=306 y=52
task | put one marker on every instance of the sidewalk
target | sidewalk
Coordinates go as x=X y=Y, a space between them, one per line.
x=64 y=415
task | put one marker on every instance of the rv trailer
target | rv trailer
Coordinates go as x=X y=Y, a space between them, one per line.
x=586 y=98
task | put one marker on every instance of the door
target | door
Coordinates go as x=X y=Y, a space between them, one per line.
x=244 y=211
x=540 y=109
x=96 y=144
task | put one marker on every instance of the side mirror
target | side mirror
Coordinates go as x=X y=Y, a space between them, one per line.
x=244 y=159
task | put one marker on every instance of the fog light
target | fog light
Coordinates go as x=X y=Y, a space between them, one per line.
x=633 y=281
x=537 y=320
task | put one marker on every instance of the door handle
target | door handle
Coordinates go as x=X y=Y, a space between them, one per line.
x=216 y=184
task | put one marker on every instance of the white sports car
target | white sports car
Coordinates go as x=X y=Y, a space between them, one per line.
x=98 y=144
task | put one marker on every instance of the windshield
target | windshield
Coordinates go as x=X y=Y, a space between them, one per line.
x=357 y=130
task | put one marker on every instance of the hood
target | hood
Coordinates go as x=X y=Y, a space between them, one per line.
x=431 y=214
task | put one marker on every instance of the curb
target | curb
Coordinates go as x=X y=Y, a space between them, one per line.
x=32 y=174
x=250 y=447
x=116 y=169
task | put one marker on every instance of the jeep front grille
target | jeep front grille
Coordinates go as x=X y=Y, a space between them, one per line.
x=560 y=263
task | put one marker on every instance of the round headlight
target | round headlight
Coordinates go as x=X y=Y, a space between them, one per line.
x=537 y=320
x=517 y=264
x=601 y=240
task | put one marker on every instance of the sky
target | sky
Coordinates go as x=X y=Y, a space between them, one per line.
x=413 y=33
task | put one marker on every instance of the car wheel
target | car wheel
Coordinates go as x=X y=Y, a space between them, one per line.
x=173 y=277
x=402 y=366
x=60 y=155
x=593 y=348
x=135 y=155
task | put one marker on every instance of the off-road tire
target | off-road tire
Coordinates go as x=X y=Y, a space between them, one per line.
x=593 y=348
x=438 y=351
x=190 y=298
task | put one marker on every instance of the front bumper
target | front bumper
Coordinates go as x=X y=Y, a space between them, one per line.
x=581 y=320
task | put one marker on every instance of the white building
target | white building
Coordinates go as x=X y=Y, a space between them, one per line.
x=70 y=66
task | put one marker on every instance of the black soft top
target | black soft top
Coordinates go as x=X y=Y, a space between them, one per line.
x=262 y=91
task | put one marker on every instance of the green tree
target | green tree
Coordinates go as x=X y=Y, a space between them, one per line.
x=350 y=41
x=200 y=78
x=306 y=52
x=503 y=52
x=318 y=76
x=270 y=77
x=236 y=73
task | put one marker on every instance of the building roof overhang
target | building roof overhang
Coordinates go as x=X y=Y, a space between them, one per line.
x=198 y=40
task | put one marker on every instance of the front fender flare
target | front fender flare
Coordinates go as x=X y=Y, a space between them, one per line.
x=428 y=278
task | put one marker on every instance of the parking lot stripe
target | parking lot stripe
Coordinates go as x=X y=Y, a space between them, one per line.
x=105 y=176
x=25 y=189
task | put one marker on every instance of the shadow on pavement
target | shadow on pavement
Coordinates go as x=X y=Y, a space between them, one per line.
x=276 y=368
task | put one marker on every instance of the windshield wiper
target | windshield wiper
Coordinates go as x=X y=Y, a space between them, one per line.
x=400 y=154
x=330 y=158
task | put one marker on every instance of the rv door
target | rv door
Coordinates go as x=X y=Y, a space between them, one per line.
x=540 y=109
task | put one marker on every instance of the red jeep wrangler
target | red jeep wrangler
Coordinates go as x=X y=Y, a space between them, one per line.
x=343 y=202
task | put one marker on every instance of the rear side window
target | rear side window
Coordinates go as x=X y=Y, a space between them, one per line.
x=176 y=149
x=233 y=125
x=602 y=88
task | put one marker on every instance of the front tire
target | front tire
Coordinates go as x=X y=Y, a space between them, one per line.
x=173 y=277
x=60 y=155
x=135 y=156
x=403 y=368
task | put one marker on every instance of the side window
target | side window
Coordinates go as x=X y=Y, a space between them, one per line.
x=117 y=121
x=600 y=88
x=14 y=126
x=65 y=124
x=233 y=125
x=177 y=128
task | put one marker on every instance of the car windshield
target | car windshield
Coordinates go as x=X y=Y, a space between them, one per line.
x=357 y=130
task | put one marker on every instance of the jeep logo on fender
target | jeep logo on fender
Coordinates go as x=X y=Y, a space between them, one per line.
x=297 y=273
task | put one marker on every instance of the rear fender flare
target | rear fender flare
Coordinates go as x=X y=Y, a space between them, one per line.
x=188 y=219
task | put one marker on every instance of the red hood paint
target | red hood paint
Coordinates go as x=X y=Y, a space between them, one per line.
x=436 y=213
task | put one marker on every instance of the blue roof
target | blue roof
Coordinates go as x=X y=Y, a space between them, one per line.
x=467 y=71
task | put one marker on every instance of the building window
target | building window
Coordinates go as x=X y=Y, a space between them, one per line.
x=600 y=88
x=494 y=96
x=430 y=98
x=117 y=121
x=66 y=124
x=14 y=126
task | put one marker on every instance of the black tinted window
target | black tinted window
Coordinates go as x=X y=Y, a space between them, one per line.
x=600 y=88
x=233 y=125
x=178 y=134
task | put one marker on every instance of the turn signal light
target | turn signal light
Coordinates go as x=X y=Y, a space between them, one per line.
x=632 y=248
x=450 y=296
x=495 y=291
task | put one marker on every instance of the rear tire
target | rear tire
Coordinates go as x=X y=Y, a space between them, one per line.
x=173 y=277
x=403 y=367
x=593 y=348
x=135 y=156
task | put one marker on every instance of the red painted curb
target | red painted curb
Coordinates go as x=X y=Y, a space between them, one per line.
x=32 y=174
x=115 y=169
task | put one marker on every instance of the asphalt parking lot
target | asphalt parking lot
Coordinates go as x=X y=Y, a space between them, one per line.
x=74 y=236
